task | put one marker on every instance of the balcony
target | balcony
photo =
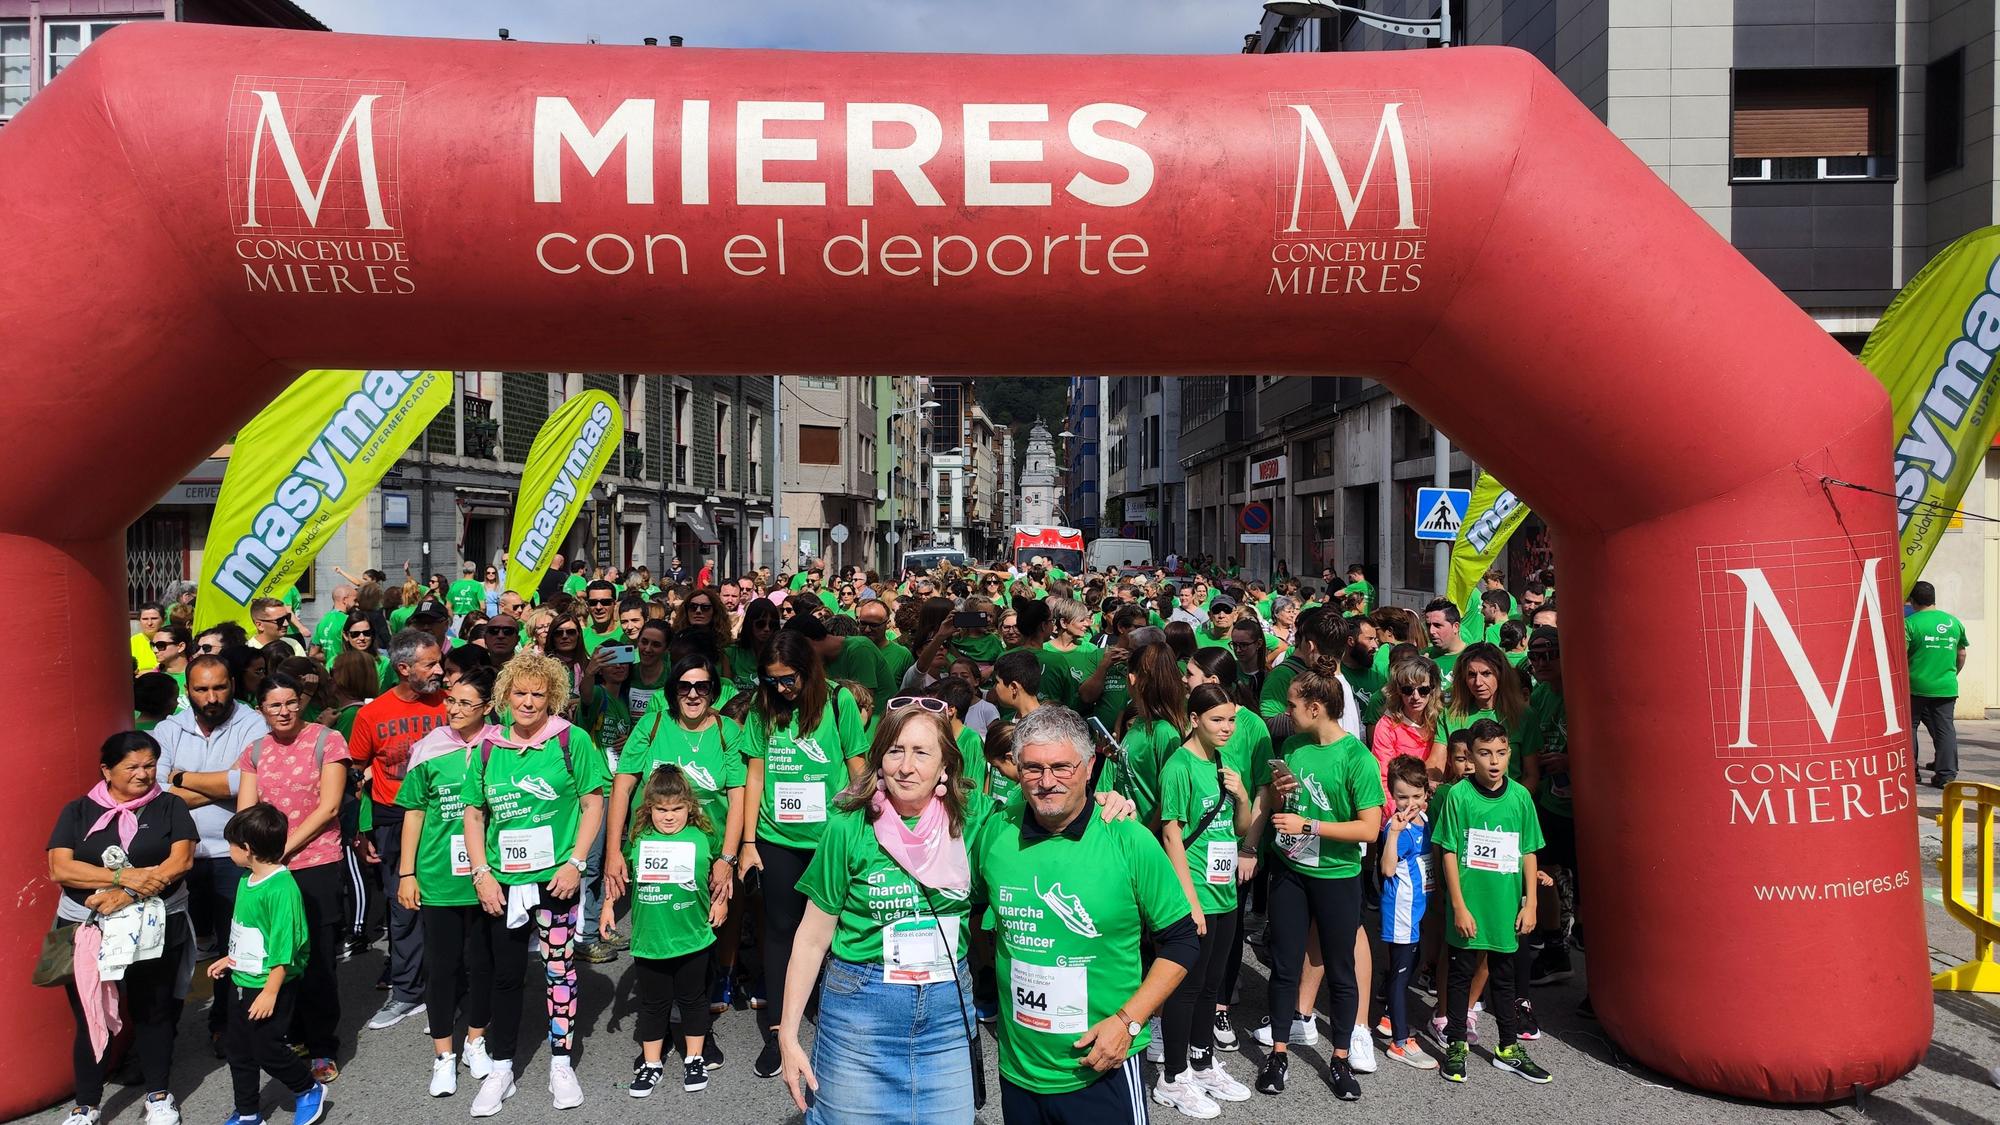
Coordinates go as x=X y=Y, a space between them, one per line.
x=634 y=451
x=482 y=433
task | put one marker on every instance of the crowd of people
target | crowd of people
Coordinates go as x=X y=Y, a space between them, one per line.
x=1062 y=805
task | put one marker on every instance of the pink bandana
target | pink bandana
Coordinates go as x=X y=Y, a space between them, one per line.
x=929 y=852
x=549 y=732
x=126 y=812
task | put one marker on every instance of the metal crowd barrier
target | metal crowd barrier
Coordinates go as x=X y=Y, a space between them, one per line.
x=1982 y=973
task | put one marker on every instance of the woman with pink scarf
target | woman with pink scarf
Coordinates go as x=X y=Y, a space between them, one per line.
x=888 y=893
x=121 y=844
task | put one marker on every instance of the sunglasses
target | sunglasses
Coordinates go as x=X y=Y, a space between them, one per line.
x=934 y=706
x=695 y=687
x=790 y=679
x=568 y=633
x=1415 y=689
x=703 y=607
x=361 y=632
x=1542 y=653
x=157 y=645
x=601 y=601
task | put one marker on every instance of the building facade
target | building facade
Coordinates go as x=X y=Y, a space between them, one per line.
x=1082 y=505
x=830 y=468
x=1038 y=478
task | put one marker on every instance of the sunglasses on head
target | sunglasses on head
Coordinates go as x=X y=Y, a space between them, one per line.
x=934 y=706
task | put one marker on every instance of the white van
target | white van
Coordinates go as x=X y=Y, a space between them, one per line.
x=1106 y=552
x=924 y=559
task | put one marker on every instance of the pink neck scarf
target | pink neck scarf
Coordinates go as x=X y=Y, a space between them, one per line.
x=554 y=727
x=929 y=852
x=127 y=812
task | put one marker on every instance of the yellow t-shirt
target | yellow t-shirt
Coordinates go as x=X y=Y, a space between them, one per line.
x=142 y=652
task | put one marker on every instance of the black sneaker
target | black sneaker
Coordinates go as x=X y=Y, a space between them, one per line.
x=1524 y=1021
x=1225 y=1031
x=1551 y=965
x=696 y=1076
x=1271 y=1079
x=1453 y=1067
x=770 y=1060
x=1513 y=1058
x=1340 y=1076
x=644 y=1078
x=711 y=1052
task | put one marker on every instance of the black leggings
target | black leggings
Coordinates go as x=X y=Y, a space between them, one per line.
x=260 y=1045
x=551 y=929
x=458 y=951
x=146 y=1000
x=1402 y=963
x=784 y=911
x=1297 y=903
x=1499 y=993
x=1232 y=966
x=316 y=1020
x=665 y=981
x=1188 y=1021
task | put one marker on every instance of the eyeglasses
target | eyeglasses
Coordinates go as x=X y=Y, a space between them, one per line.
x=790 y=679
x=934 y=706
x=287 y=705
x=601 y=601
x=695 y=687
x=1415 y=689
x=1060 y=772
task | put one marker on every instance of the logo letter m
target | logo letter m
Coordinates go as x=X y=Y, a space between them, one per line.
x=1349 y=198
x=360 y=123
x=1761 y=601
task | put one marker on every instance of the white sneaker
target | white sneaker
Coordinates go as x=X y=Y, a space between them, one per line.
x=162 y=1111
x=476 y=1059
x=1304 y=1034
x=1186 y=1097
x=497 y=1087
x=444 y=1076
x=563 y=1084
x=1361 y=1051
x=1218 y=1084
x=1156 y=1047
x=81 y=1115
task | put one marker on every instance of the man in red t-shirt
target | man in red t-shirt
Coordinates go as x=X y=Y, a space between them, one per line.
x=706 y=578
x=385 y=729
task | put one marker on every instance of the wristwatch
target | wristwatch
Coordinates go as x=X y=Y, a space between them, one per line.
x=728 y=859
x=581 y=865
x=174 y=779
x=1132 y=1027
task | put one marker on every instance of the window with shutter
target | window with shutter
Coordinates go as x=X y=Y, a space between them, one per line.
x=1811 y=124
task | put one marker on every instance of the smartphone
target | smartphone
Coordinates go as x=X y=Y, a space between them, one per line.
x=620 y=654
x=969 y=619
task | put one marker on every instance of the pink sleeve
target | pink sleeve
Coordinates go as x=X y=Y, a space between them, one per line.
x=336 y=747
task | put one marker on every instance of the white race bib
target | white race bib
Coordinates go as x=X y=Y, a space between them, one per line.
x=799 y=802
x=915 y=951
x=1052 y=998
x=666 y=861
x=461 y=860
x=1221 y=862
x=527 y=849
x=1498 y=852
x=1302 y=849
x=246 y=948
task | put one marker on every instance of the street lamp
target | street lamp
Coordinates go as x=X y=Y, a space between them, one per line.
x=1438 y=29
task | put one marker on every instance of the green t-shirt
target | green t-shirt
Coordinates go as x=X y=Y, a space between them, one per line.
x=1449 y=721
x=1000 y=788
x=1275 y=697
x=436 y=788
x=574 y=585
x=533 y=803
x=1069 y=669
x=1337 y=783
x=1368 y=694
x=1545 y=729
x=398 y=619
x=972 y=749
x=798 y=581
x=268 y=929
x=1147 y=745
x=803 y=772
x=897 y=659
x=1489 y=832
x=1117 y=693
x=1935 y=639
x=1190 y=786
x=712 y=758
x=592 y=638
x=1365 y=589
x=982 y=647
x=875 y=902
x=465 y=595
x=327 y=635
x=1070 y=915
x=1446 y=662
x=861 y=662
x=739 y=667
x=1248 y=750
x=1205 y=636
x=670 y=899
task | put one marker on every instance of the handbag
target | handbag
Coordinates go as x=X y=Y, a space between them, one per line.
x=56 y=964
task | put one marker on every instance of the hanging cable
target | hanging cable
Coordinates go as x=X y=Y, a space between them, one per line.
x=1924 y=505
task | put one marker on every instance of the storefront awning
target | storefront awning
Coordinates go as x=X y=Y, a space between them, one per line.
x=697 y=521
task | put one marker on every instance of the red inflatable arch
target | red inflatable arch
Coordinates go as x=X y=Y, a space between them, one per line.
x=193 y=215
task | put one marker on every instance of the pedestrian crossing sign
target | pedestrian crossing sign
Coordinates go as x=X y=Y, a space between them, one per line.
x=1440 y=511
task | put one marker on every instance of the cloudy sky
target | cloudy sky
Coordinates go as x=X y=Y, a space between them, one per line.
x=1042 y=26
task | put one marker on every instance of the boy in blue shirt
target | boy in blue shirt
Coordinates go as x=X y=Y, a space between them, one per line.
x=1405 y=856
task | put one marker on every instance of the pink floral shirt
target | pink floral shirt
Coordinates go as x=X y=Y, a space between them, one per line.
x=288 y=777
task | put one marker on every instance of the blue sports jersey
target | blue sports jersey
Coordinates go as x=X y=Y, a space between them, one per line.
x=1405 y=893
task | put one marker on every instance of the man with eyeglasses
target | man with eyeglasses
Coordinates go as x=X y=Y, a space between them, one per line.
x=600 y=603
x=151 y=617
x=873 y=617
x=1545 y=742
x=500 y=636
x=273 y=623
x=1073 y=896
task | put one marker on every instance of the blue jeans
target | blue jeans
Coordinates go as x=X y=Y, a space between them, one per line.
x=888 y=1053
x=591 y=891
